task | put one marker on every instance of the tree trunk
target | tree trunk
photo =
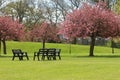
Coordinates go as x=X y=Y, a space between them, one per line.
x=43 y=43
x=112 y=45
x=70 y=48
x=92 y=44
x=4 y=47
x=20 y=19
x=112 y=50
x=0 y=47
x=74 y=41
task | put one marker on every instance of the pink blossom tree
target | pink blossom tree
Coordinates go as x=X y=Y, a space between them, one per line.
x=9 y=30
x=44 y=32
x=91 y=21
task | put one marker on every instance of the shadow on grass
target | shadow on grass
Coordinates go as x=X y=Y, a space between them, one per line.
x=5 y=56
x=96 y=56
x=10 y=58
x=75 y=56
x=99 y=56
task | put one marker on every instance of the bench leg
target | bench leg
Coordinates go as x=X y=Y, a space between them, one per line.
x=20 y=58
x=34 y=57
x=59 y=57
x=27 y=57
x=54 y=57
x=48 y=57
x=38 y=57
x=43 y=57
x=13 y=57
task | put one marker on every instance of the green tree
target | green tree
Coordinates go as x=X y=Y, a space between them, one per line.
x=109 y=3
x=18 y=10
x=117 y=6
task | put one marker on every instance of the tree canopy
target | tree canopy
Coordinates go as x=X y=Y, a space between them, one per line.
x=44 y=32
x=10 y=29
x=92 y=21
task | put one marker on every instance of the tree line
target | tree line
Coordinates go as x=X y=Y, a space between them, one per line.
x=45 y=20
x=31 y=12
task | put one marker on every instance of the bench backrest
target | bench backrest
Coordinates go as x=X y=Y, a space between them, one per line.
x=51 y=50
x=17 y=51
x=58 y=51
x=43 y=50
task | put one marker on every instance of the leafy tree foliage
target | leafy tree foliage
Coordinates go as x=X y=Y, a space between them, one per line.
x=9 y=29
x=44 y=32
x=18 y=10
x=91 y=21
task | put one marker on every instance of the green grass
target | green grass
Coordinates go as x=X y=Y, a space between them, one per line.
x=74 y=66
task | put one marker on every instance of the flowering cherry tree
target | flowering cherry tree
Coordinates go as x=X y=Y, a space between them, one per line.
x=44 y=32
x=92 y=21
x=9 y=29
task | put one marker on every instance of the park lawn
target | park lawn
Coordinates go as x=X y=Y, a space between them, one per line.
x=74 y=66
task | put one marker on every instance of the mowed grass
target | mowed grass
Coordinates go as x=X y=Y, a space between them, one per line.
x=75 y=66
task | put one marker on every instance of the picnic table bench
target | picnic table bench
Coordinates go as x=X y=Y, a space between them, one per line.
x=18 y=53
x=49 y=53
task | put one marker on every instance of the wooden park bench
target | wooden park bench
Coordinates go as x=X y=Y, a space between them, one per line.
x=42 y=52
x=18 y=53
x=49 y=53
